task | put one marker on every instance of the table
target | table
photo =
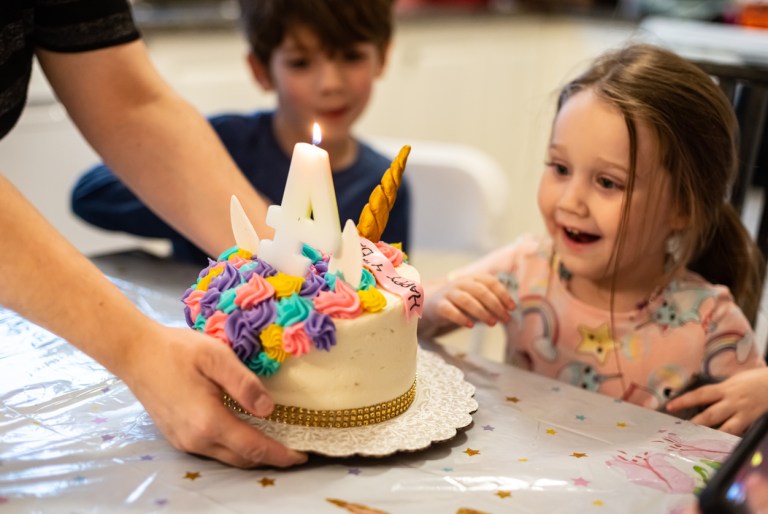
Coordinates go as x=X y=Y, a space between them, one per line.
x=75 y=440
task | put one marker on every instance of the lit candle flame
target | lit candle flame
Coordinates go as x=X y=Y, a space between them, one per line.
x=317 y=136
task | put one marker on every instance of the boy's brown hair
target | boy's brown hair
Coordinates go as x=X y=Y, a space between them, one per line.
x=338 y=24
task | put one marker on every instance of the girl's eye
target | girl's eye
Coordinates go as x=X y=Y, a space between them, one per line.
x=558 y=169
x=607 y=183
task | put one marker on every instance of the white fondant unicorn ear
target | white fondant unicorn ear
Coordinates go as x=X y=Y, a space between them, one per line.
x=245 y=235
x=349 y=258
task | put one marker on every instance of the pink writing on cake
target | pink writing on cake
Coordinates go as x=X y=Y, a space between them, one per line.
x=377 y=263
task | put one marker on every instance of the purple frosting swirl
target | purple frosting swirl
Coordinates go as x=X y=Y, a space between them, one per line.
x=321 y=267
x=263 y=268
x=227 y=279
x=239 y=330
x=321 y=330
x=209 y=301
x=312 y=285
x=211 y=264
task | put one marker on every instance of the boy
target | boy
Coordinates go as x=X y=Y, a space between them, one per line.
x=321 y=59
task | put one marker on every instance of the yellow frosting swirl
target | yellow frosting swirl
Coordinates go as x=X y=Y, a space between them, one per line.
x=206 y=280
x=285 y=285
x=372 y=300
x=272 y=342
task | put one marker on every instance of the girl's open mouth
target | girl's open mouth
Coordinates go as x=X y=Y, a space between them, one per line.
x=579 y=237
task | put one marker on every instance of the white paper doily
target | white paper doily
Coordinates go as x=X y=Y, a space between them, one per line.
x=443 y=404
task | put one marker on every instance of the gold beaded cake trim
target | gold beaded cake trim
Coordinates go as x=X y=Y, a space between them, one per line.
x=344 y=418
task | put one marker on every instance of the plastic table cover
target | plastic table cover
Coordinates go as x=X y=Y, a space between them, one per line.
x=75 y=440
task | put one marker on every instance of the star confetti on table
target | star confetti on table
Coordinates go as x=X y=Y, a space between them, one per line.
x=191 y=475
x=147 y=457
x=105 y=390
x=556 y=389
x=447 y=470
x=471 y=452
x=513 y=399
x=522 y=459
x=98 y=420
x=4 y=499
x=266 y=482
x=581 y=417
x=488 y=428
x=578 y=455
x=161 y=501
x=580 y=482
x=551 y=431
x=503 y=494
x=107 y=437
x=598 y=503
x=353 y=471
x=621 y=424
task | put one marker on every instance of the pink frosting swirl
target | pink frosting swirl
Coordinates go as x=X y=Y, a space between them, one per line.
x=295 y=340
x=216 y=326
x=237 y=261
x=252 y=292
x=394 y=255
x=192 y=301
x=342 y=303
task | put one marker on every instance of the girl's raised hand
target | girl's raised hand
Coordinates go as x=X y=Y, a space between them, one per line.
x=465 y=300
x=734 y=404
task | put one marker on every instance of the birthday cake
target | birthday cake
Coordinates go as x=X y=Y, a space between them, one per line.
x=336 y=345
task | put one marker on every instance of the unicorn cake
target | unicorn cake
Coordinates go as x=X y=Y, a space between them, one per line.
x=335 y=342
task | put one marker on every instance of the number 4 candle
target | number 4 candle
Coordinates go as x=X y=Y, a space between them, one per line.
x=309 y=189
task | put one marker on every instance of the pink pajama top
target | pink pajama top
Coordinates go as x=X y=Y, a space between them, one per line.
x=691 y=327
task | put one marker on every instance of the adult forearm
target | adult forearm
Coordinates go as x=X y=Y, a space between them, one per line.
x=48 y=282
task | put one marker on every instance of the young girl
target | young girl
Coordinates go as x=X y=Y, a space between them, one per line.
x=620 y=298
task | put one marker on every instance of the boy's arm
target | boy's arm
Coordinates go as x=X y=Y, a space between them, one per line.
x=103 y=200
x=157 y=143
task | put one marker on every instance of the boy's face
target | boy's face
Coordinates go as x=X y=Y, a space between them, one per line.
x=313 y=86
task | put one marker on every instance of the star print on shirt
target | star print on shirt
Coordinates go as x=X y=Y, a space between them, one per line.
x=596 y=342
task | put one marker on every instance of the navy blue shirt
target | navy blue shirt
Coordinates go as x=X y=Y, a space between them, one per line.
x=100 y=198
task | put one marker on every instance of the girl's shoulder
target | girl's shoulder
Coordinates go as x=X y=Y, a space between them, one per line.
x=525 y=251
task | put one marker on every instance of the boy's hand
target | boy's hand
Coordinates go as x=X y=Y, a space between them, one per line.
x=734 y=404
x=477 y=297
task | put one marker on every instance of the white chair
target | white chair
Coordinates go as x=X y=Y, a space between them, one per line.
x=459 y=196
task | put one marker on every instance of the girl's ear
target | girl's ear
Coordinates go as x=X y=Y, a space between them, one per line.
x=260 y=72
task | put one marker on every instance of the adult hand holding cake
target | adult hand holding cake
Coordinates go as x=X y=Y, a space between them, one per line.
x=326 y=319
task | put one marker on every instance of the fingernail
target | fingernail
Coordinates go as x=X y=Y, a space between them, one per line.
x=263 y=405
x=470 y=324
x=298 y=458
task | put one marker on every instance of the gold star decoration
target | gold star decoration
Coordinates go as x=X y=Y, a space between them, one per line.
x=266 y=482
x=192 y=475
x=596 y=342
x=578 y=455
x=551 y=431
x=597 y=503
x=522 y=459
x=621 y=424
x=513 y=399
x=503 y=494
x=471 y=452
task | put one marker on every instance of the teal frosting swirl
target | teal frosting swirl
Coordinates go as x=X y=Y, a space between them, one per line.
x=227 y=301
x=330 y=279
x=199 y=322
x=311 y=254
x=229 y=251
x=367 y=281
x=293 y=309
x=263 y=365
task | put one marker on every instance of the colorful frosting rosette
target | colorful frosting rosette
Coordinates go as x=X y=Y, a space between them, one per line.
x=266 y=316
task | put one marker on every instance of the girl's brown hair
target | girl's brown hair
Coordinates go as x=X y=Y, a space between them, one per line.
x=697 y=135
x=338 y=24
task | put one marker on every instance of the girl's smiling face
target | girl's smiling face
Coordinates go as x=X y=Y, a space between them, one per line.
x=581 y=197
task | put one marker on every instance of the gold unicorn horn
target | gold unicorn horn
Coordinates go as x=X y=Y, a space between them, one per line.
x=373 y=218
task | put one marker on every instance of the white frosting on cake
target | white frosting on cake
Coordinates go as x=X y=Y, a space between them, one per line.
x=373 y=361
